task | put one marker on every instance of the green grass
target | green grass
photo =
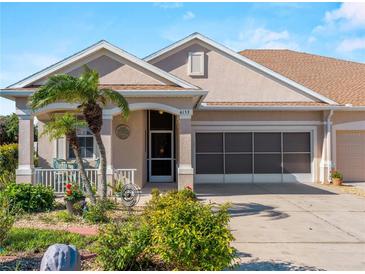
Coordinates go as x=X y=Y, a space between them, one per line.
x=31 y=240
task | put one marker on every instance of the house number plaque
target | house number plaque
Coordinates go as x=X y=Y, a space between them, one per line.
x=122 y=132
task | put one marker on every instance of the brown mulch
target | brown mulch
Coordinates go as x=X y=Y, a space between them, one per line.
x=49 y=220
x=32 y=262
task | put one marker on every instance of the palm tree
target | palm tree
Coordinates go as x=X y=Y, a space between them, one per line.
x=66 y=125
x=85 y=91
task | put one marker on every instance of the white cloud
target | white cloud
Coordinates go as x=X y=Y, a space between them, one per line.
x=349 y=45
x=188 y=15
x=168 y=5
x=262 y=38
x=348 y=16
x=352 y=13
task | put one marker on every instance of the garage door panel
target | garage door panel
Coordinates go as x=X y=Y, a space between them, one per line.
x=238 y=142
x=209 y=164
x=209 y=142
x=296 y=163
x=350 y=154
x=239 y=157
x=238 y=163
x=267 y=163
x=296 y=142
x=267 y=142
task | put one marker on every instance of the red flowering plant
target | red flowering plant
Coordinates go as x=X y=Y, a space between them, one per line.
x=188 y=192
x=73 y=193
x=188 y=187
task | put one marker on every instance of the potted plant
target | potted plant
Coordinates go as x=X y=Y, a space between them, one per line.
x=337 y=178
x=73 y=195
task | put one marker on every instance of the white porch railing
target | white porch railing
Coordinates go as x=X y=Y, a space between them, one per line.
x=124 y=175
x=58 y=178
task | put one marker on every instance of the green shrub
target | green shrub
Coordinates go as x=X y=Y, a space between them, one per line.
x=8 y=164
x=109 y=204
x=188 y=235
x=9 y=128
x=175 y=232
x=96 y=213
x=28 y=197
x=121 y=246
x=6 y=221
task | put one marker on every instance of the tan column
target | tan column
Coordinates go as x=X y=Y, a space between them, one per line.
x=24 y=173
x=107 y=138
x=185 y=170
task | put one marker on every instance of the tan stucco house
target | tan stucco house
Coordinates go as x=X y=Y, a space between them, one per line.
x=202 y=113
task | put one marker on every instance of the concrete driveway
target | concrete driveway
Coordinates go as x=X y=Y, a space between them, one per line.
x=293 y=226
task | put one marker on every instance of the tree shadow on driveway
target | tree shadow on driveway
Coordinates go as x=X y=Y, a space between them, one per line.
x=248 y=209
x=257 y=265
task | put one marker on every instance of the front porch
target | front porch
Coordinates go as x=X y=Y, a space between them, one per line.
x=135 y=152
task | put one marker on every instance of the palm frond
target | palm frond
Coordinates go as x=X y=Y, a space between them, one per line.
x=58 y=88
x=116 y=98
x=61 y=125
x=89 y=81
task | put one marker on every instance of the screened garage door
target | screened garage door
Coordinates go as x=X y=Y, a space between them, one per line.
x=350 y=155
x=244 y=157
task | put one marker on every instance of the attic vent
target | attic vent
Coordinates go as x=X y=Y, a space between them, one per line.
x=196 y=64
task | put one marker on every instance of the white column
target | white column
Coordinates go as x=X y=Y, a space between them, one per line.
x=107 y=138
x=326 y=161
x=24 y=173
x=185 y=170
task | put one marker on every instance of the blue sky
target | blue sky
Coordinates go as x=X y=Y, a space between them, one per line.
x=35 y=35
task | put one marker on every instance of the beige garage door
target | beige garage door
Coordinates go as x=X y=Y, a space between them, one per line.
x=350 y=154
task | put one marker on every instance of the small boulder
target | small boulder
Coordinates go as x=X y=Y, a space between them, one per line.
x=61 y=257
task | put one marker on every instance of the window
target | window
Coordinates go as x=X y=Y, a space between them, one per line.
x=196 y=64
x=86 y=141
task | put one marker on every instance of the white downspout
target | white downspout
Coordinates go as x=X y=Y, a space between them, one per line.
x=329 y=144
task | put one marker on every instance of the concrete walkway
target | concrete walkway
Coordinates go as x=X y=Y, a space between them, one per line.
x=293 y=226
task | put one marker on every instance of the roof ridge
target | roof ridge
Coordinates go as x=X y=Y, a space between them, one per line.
x=306 y=53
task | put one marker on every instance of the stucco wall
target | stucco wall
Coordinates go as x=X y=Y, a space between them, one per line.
x=113 y=69
x=131 y=153
x=45 y=148
x=257 y=116
x=228 y=80
x=114 y=72
x=353 y=119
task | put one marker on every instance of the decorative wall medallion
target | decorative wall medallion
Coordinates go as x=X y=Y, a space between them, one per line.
x=122 y=132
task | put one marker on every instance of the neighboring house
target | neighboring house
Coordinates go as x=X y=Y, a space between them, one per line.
x=202 y=113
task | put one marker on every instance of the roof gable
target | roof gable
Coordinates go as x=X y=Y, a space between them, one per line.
x=227 y=80
x=343 y=81
x=157 y=56
x=112 y=51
